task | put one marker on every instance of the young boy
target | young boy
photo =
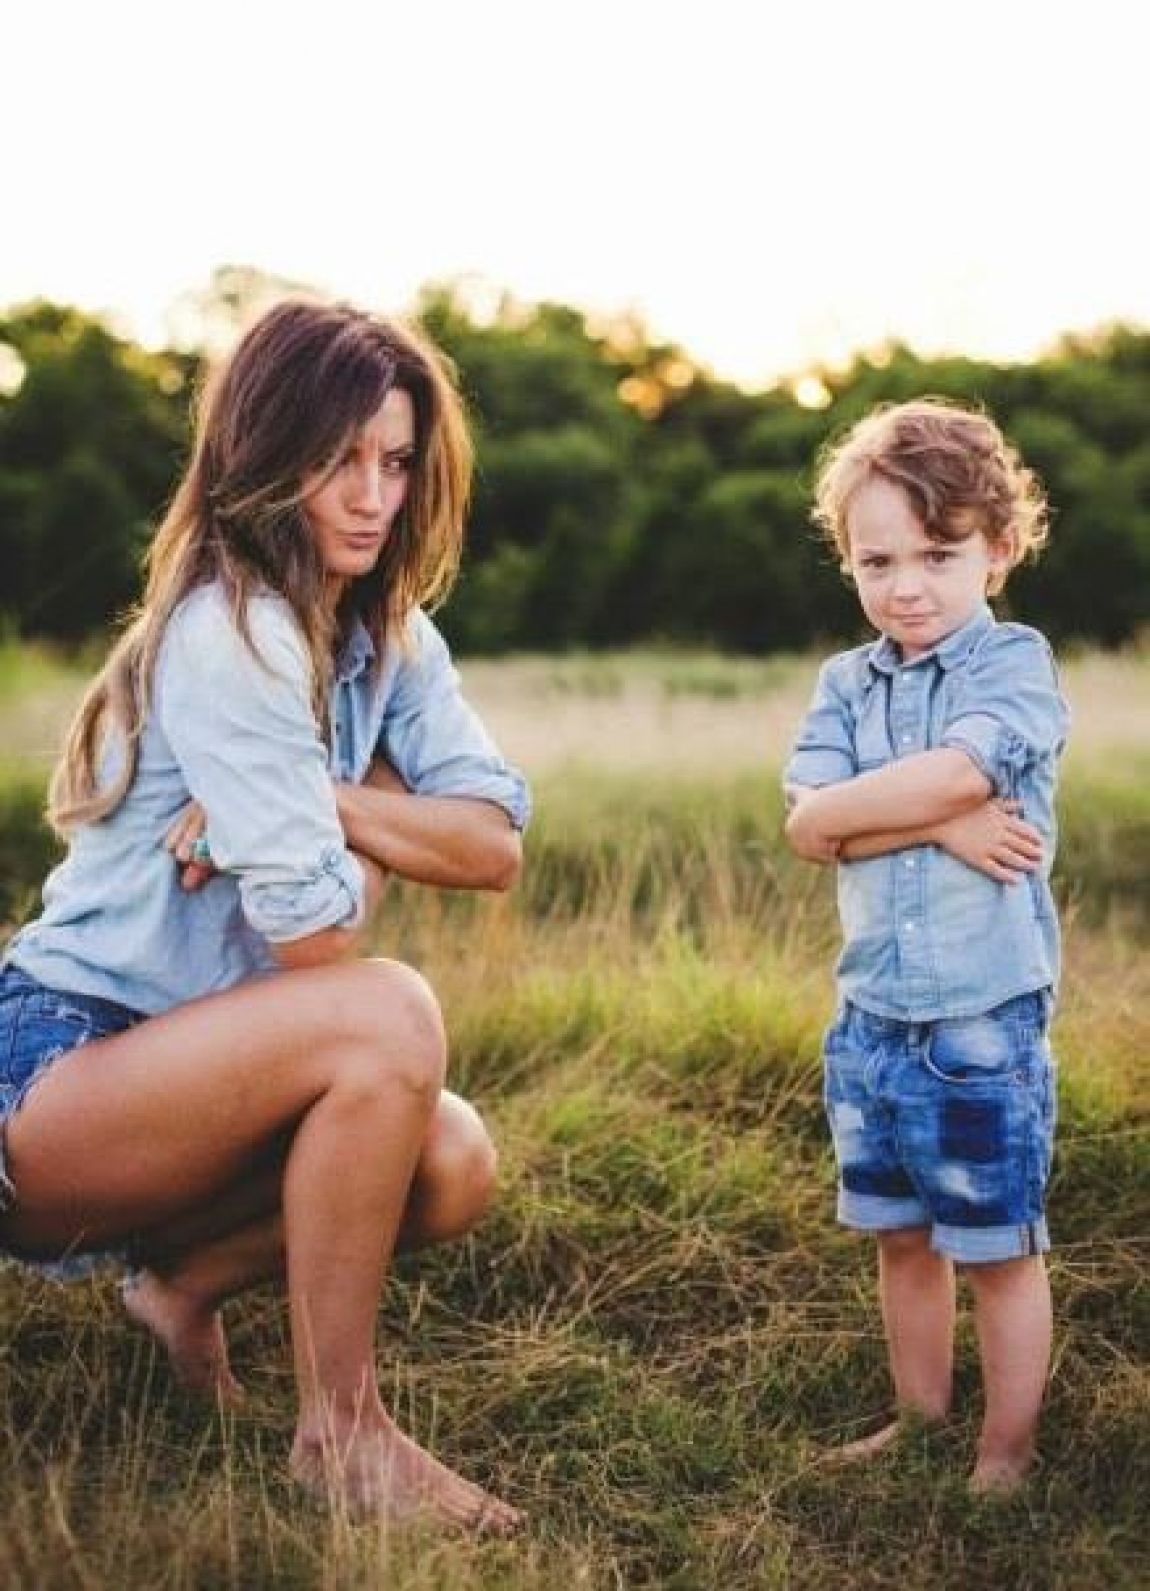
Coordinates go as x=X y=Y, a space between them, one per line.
x=925 y=769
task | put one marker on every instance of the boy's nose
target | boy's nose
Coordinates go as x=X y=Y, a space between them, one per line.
x=907 y=581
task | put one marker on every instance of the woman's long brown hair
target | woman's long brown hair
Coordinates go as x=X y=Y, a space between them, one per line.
x=286 y=404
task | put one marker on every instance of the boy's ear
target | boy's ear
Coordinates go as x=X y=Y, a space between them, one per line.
x=1002 y=553
x=1003 y=556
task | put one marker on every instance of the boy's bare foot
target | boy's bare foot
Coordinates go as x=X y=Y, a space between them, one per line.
x=999 y=1477
x=384 y=1474
x=190 y=1331
x=896 y=1431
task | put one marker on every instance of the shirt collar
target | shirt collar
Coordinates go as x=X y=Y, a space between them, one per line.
x=356 y=653
x=951 y=652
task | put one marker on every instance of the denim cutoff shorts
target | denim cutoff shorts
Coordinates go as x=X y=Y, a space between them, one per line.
x=946 y=1124
x=38 y=1026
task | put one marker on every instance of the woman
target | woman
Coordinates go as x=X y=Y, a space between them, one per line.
x=239 y=1096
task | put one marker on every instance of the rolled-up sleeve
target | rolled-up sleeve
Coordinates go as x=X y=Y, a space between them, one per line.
x=242 y=729
x=1007 y=710
x=432 y=737
x=824 y=748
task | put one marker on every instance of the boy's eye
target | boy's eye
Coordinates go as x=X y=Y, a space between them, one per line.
x=873 y=561
x=939 y=555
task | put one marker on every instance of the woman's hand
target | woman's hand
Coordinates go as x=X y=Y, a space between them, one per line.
x=994 y=840
x=187 y=842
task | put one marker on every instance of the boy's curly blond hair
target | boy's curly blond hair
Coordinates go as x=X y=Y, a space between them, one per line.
x=954 y=464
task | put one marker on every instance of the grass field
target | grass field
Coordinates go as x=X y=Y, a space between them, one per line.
x=657 y=1335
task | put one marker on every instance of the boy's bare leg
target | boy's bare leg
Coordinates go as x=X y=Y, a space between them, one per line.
x=916 y=1290
x=190 y=1268
x=1013 y=1318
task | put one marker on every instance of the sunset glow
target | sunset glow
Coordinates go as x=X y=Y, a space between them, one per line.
x=772 y=190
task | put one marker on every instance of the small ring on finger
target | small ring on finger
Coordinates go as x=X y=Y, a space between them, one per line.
x=201 y=851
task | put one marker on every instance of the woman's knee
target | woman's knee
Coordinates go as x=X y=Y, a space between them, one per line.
x=393 y=1016
x=458 y=1171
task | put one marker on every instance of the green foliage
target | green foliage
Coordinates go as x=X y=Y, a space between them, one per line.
x=89 y=445
x=623 y=494
x=28 y=847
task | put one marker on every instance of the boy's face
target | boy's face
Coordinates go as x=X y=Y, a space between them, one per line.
x=916 y=590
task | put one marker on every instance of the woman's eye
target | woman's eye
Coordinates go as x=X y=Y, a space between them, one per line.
x=397 y=465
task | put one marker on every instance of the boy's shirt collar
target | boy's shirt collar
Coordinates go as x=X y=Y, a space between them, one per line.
x=951 y=652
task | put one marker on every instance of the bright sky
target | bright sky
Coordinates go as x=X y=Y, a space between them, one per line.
x=771 y=185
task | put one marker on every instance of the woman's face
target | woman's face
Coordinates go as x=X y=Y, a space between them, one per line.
x=351 y=508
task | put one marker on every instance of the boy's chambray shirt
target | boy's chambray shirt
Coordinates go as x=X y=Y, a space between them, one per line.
x=924 y=935
x=237 y=733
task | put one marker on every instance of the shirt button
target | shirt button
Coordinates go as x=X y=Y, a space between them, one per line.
x=910 y=925
x=908 y=861
x=905 y=739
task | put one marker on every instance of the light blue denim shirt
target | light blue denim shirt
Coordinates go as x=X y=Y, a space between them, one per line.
x=924 y=935
x=237 y=733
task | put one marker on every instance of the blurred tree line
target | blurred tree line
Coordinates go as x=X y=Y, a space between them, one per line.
x=624 y=494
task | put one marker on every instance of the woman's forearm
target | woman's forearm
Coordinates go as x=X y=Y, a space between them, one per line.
x=329 y=945
x=451 y=841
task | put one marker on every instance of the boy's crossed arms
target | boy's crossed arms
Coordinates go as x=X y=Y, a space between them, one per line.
x=939 y=797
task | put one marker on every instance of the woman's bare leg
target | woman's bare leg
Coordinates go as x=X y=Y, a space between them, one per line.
x=347 y=1059
x=189 y=1268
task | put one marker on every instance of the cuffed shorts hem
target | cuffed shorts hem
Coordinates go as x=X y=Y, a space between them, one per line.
x=984 y=1245
x=966 y=1244
x=871 y=1213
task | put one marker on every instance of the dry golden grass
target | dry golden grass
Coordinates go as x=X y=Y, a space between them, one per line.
x=660 y=1329
x=678 y=713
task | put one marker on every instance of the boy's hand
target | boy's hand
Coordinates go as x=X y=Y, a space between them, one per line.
x=994 y=840
x=804 y=838
x=187 y=842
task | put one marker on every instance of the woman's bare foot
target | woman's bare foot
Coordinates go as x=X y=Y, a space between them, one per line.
x=384 y=1474
x=191 y=1332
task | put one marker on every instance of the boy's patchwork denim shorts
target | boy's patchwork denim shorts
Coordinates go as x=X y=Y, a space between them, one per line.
x=38 y=1027
x=946 y=1124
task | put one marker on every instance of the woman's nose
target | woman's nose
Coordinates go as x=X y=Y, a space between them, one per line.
x=366 y=490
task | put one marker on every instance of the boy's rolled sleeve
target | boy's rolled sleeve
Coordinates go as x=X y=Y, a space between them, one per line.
x=243 y=731
x=433 y=738
x=824 y=749
x=1007 y=710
